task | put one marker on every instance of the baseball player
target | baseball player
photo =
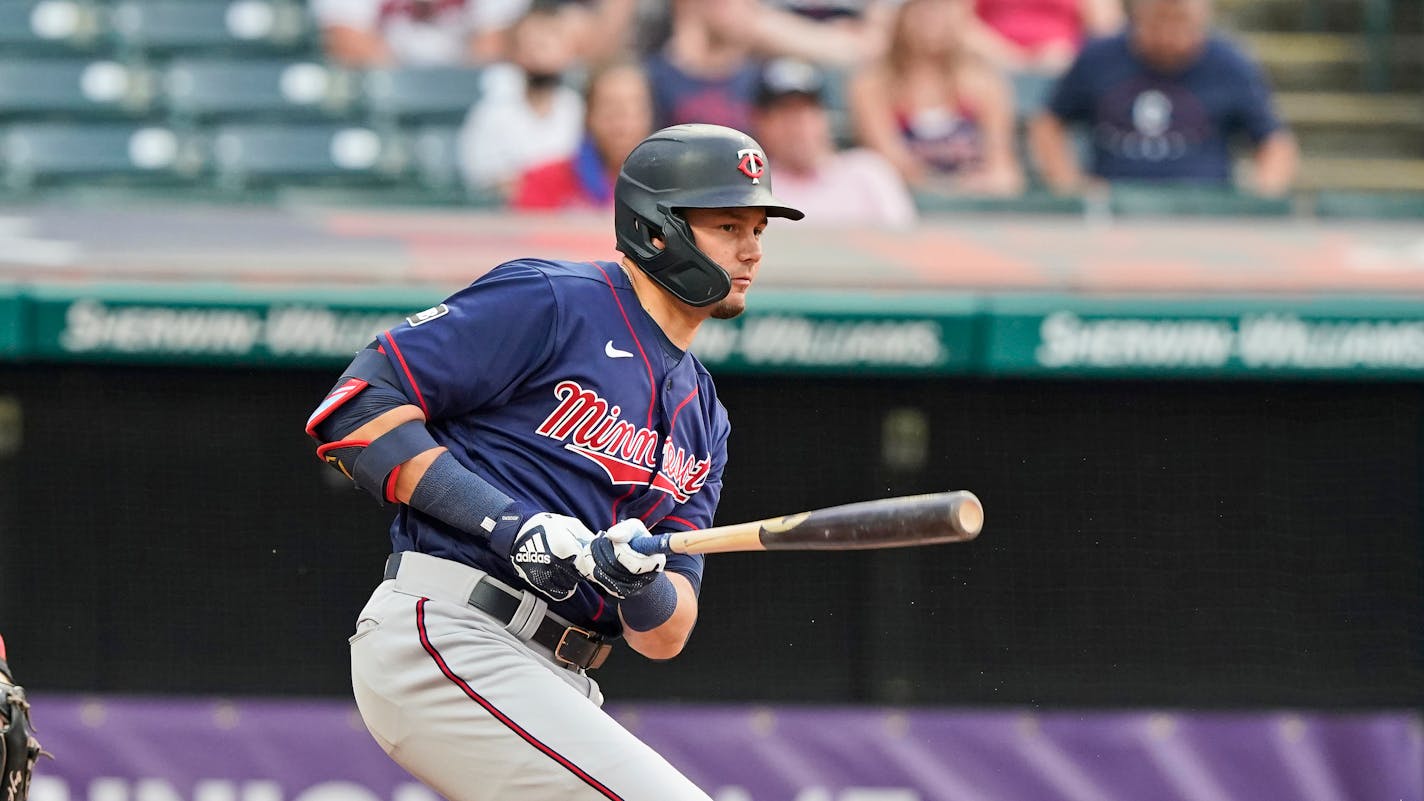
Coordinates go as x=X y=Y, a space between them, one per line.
x=547 y=401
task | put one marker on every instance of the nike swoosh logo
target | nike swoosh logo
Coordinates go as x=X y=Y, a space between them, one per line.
x=614 y=353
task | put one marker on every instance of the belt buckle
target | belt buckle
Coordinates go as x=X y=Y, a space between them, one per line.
x=590 y=660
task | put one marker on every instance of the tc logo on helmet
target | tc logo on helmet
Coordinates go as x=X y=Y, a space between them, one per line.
x=752 y=163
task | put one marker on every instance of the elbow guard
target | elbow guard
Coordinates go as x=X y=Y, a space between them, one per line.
x=367 y=389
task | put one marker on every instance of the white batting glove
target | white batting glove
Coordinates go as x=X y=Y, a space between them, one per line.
x=611 y=563
x=544 y=552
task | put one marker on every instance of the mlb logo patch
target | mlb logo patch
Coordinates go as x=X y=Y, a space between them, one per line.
x=432 y=313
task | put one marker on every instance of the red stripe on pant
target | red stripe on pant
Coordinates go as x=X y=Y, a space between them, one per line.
x=500 y=716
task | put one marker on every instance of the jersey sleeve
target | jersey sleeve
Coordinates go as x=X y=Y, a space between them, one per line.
x=699 y=510
x=1255 y=109
x=1073 y=98
x=474 y=349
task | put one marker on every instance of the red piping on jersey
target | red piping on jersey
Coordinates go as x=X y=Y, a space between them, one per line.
x=348 y=390
x=614 y=511
x=322 y=450
x=601 y=605
x=401 y=358
x=653 y=386
x=500 y=716
x=644 y=516
x=690 y=525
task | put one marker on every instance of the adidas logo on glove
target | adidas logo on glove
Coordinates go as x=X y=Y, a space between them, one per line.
x=533 y=549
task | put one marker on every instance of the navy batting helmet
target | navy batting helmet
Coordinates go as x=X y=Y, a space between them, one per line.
x=688 y=167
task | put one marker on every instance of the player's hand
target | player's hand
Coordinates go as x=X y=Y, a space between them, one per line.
x=544 y=550
x=613 y=564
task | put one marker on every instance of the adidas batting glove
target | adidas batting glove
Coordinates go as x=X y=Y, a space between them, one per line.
x=544 y=551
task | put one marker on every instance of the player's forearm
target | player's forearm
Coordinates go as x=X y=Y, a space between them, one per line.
x=1048 y=140
x=666 y=640
x=1277 y=160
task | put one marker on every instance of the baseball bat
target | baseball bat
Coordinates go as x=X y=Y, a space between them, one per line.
x=886 y=523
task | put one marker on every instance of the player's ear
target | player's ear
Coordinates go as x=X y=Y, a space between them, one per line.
x=659 y=243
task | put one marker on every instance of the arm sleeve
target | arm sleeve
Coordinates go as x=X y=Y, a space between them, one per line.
x=700 y=509
x=477 y=346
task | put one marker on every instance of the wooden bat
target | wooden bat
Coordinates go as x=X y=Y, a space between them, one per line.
x=887 y=523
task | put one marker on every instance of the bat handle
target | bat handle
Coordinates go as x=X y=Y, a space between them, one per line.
x=652 y=544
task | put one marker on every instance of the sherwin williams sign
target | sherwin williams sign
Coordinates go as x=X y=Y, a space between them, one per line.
x=11 y=321
x=1137 y=337
x=825 y=333
x=216 y=325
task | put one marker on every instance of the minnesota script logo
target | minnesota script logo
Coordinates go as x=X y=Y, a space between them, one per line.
x=590 y=427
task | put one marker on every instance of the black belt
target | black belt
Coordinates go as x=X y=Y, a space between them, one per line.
x=569 y=644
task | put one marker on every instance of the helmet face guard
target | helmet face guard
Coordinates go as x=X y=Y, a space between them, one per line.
x=688 y=167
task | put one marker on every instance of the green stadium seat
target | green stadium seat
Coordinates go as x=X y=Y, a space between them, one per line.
x=253 y=155
x=159 y=28
x=435 y=157
x=49 y=27
x=73 y=88
x=210 y=90
x=1371 y=205
x=421 y=94
x=39 y=154
x=1177 y=200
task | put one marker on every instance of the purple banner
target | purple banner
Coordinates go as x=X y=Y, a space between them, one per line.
x=133 y=749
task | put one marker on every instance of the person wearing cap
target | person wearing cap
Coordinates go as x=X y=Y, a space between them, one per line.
x=834 y=187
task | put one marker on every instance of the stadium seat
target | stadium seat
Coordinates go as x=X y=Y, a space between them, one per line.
x=36 y=154
x=1175 y=200
x=49 y=27
x=72 y=88
x=207 y=90
x=435 y=161
x=158 y=28
x=252 y=155
x=421 y=95
x=1371 y=205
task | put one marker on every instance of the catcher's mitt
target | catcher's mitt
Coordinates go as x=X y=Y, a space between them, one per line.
x=19 y=750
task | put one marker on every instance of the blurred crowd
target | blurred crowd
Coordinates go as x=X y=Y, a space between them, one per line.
x=861 y=105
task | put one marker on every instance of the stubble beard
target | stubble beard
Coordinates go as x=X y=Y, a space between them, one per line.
x=729 y=307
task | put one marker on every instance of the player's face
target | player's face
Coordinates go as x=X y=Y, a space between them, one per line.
x=732 y=238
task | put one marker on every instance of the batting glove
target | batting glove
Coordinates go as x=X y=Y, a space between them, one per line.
x=611 y=563
x=544 y=551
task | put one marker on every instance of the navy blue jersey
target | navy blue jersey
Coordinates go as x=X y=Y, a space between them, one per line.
x=1149 y=125
x=550 y=381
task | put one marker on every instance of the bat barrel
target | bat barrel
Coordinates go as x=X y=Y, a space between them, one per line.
x=887 y=523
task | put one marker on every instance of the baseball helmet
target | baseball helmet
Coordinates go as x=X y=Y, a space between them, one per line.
x=688 y=167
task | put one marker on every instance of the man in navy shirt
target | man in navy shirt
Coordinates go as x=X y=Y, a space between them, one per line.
x=1163 y=102
x=544 y=402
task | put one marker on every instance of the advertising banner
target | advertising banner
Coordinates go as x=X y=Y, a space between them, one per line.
x=135 y=749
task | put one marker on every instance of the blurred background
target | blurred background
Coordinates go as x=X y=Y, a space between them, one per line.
x=1146 y=275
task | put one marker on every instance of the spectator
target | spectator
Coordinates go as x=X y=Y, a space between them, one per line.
x=381 y=33
x=840 y=33
x=1040 y=36
x=705 y=71
x=941 y=114
x=619 y=115
x=1161 y=103
x=852 y=187
x=525 y=115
